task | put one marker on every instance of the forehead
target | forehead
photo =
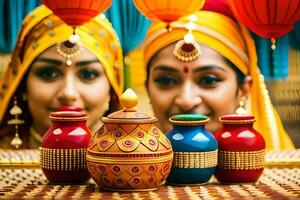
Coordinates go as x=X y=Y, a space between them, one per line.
x=208 y=57
x=84 y=54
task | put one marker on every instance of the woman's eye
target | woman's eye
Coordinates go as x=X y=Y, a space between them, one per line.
x=166 y=81
x=49 y=73
x=209 y=80
x=88 y=74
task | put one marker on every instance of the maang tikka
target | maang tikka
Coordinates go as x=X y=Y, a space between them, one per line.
x=188 y=48
x=69 y=48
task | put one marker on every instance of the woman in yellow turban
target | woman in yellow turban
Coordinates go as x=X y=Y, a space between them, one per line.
x=206 y=63
x=49 y=73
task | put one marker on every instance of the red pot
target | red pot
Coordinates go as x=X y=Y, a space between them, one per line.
x=63 y=149
x=241 y=150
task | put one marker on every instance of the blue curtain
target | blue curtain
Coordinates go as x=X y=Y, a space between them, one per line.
x=272 y=63
x=294 y=36
x=12 y=14
x=131 y=27
x=129 y=23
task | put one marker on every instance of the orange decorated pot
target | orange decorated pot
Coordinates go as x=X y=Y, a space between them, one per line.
x=129 y=153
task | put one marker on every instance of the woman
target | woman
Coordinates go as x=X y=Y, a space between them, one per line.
x=206 y=64
x=49 y=73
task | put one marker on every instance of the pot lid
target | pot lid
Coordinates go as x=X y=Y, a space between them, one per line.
x=188 y=119
x=128 y=115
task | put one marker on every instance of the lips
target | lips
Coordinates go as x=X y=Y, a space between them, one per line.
x=69 y=108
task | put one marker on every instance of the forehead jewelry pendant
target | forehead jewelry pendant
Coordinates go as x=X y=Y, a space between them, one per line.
x=188 y=48
x=68 y=50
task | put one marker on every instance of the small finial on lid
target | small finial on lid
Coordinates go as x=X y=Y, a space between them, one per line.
x=129 y=99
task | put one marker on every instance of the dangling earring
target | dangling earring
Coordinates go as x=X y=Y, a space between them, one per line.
x=241 y=109
x=15 y=111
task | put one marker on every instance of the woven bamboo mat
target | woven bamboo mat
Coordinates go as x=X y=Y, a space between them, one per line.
x=275 y=183
x=23 y=179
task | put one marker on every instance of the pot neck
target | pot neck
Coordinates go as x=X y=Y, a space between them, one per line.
x=237 y=126
x=189 y=127
x=69 y=123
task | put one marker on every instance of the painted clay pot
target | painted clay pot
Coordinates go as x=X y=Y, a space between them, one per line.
x=63 y=149
x=129 y=153
x=241 y=150
x=195 y=150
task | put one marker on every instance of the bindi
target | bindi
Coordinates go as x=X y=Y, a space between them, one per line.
x=185 y=69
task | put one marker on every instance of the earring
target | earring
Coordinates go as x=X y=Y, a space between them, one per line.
x=241 y=109
x=15 y=111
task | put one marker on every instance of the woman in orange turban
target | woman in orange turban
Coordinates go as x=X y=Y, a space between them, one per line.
x=49 y=73
x=206 y=63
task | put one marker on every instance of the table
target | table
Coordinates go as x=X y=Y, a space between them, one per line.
x=22 y=178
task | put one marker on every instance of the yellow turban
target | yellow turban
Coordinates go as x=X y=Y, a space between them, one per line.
x=234 y=42
x=42 y=29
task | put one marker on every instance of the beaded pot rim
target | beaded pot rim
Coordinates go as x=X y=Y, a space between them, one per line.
x=190 y=123
x=68 y=116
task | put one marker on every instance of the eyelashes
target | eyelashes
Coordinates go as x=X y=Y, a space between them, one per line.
x=51 y=74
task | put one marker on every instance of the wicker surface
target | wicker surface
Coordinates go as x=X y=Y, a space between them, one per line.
x=30 y=183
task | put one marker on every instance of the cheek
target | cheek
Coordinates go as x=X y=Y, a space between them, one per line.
x=39 y=93
x=161 y=100
x=223 y=100
x=94 y=95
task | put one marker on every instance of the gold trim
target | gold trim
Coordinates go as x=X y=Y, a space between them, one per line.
x=195 y=159
x=190 y=123
x=186 y=56
x=144 y=160
x=241 y=160
x=246 y=121
x=67 y=118
x=98 y=153
x=63 y=159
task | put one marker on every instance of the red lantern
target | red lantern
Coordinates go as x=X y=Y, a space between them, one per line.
x=167 y=10
x=77 y=12
x=267 y=18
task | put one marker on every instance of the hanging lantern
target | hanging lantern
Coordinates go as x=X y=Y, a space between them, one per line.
x=267 y=18
x=167 y=10
x=76 y=12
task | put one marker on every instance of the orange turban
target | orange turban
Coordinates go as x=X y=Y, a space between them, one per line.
x=42 y=29
x=233 y=41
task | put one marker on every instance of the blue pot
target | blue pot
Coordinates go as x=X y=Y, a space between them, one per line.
x=195 y=150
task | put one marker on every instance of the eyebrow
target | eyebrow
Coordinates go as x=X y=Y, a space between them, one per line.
x=165 y=68
x=198 y=69
x=58 y=62
x=208 y=67
x=50 y=60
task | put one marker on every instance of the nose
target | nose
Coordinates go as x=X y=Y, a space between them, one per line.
x=188 y=99
x=68 y=92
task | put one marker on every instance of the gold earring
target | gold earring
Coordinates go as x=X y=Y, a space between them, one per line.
x=15 y=111
x=241 y=109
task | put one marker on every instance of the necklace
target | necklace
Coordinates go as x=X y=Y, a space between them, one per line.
x=34 y=134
